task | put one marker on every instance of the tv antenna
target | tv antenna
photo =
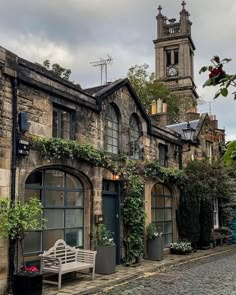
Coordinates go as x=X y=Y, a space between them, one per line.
x=102 y=63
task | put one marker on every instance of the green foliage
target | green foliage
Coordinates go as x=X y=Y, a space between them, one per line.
x=133 y=174
x=102 y=236
x=181 y=248
x=18 y=218
x=57 y=69
x=218 y=77
x=204 y=183
x=231 y=148
x=148 y=89
x=133 y=218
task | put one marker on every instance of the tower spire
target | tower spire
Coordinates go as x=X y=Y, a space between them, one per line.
x=159 y=9
x=183 y=4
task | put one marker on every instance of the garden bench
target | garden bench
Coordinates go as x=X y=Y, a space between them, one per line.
x=61 y=259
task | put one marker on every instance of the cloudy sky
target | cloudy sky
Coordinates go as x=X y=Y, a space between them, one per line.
x=74 y=33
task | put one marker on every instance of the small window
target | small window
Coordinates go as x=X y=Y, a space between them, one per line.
x=111 y=130
x=209 y=151
x=215 y=214
x=62 y=123
x=168 y=57
x=176 y=56
x=134 y=138
x=163 y=155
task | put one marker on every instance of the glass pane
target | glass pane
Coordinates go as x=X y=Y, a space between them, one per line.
x=54 y=198
x=168 y=215
x=166 y=191
x=159 y=215
x=157 y=189
x=65 y=134
x=32 y=242
x=74 y=237
x=74 y=218
x=167 y=227
x=72 y=182
x=109 y=132
x=115 y=150
x=32 y=193
x=167 y=240
x=55 y=218
x=168 y=202
x=75 y=199
x=35 y=178
x=110 y=140
x=160 y=226
x=160 y=202
x=153 y=215
x=50 y=237
x=54 y=178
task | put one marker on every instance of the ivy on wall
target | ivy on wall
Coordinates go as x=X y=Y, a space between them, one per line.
x=133 y=174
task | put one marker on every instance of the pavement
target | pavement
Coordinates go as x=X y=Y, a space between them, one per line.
x=83 y=284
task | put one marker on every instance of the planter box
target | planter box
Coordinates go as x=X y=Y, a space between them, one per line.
x=27 y=283
x=155 y=249
x=105 y=260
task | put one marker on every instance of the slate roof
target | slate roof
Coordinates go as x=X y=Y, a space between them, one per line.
x=183 y=125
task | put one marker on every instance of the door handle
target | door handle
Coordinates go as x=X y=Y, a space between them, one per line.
x=117 y=216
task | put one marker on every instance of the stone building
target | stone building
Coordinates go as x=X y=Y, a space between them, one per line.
x=35 y=102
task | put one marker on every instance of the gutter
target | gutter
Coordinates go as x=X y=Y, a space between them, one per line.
x=12 y=242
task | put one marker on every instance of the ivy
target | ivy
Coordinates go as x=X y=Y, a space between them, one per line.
x=133 y=173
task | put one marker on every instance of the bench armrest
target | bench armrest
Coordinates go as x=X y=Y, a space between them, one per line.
x=50 y=262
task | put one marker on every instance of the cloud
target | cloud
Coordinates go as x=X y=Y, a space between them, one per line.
x=75 y=32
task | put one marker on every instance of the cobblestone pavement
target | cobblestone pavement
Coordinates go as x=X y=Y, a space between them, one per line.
x=213 y=275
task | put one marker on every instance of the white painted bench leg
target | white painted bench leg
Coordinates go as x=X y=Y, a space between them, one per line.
x=93 y=273
x=59 y=281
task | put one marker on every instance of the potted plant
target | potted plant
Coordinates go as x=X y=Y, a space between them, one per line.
x=181 y=248
x=16 y=219
x=154 y=243
x=106 y=251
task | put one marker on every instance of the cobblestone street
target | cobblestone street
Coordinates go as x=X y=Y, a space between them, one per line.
x=213 y=275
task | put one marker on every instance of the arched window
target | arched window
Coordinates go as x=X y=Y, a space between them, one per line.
x=62 y=197
x=162 y=211
x=111 y=130
x=134 y=136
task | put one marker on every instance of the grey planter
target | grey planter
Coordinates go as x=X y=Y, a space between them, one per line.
x=155 y=249
x=105 y=260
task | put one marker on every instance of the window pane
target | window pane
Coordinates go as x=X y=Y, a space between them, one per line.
x=168 y=202
x=159 y=202
x=115 y=150
x=167 y=191
x=35 y=178
x=55 y=124
x=32 y=193
x=74 y=237
x=158 y=189
x=32 y=242
x=72 y=182
x=167 y=240
x=167 y=227
x=54 y=178
x=168 y=215
x=54 y=198
x=75 y=199
x=55 y=218
x=159 y=214
x=74 y=218
x=50 y=237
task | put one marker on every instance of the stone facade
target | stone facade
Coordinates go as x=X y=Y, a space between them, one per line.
x=36 y=92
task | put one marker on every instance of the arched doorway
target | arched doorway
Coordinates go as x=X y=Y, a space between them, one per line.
x=161 y=211
x=62 y=197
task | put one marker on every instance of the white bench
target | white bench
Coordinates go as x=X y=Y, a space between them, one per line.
x=61 y=259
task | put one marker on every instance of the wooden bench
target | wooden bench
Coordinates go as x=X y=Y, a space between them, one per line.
x=61 y=259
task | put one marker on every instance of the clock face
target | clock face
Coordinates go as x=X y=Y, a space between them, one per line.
x=172 y=71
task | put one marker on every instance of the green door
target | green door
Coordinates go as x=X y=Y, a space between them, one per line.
x=111 y=211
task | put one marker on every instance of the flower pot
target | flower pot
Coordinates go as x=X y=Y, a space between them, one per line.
x=27 y=283
x=155 y=249
x=105 y=260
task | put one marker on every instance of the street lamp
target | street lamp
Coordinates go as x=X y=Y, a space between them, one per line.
x=185 y=137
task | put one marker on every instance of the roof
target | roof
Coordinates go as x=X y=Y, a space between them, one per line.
x=184 y=125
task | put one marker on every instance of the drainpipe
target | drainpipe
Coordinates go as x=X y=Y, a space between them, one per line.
x=12 y=242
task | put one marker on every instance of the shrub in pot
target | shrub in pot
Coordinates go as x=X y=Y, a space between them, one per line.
x=16 y=219
x=106 y=250
x=154 y=243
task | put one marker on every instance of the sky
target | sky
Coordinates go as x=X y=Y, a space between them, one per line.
x=75 y=33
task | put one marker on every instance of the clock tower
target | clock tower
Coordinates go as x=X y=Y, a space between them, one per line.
x=174 y=51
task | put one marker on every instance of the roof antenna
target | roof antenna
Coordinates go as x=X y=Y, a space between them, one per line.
x=102 y=63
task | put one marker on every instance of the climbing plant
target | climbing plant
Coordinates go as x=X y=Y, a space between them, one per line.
x=133 y=174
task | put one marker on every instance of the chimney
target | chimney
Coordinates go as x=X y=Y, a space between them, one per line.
x=190 y=116
x=162 y=118
x=214 y=121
